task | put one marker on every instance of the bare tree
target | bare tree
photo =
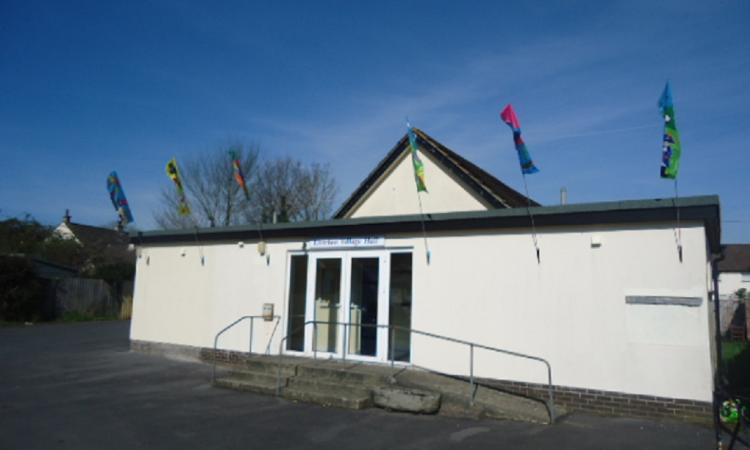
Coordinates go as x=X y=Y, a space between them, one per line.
x=215 y=198
x=283 y=188
x=317 y=189
x=291 y=191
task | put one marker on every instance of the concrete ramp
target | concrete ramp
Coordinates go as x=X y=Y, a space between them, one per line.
x=487 y=403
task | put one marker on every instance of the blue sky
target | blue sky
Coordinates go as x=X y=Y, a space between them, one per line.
x=90 y=87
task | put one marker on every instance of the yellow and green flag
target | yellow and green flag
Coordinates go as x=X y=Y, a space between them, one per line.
x=174 y=173
x=418 y=165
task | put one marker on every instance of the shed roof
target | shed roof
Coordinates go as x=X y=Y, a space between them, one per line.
x=736 y=258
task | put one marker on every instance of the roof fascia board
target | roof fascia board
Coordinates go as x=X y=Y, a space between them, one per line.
x=692 y=209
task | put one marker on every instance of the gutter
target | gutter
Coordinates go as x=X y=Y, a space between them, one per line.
x=719 y=378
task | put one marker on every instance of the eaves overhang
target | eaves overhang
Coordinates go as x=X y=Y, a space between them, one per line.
x=702 y=209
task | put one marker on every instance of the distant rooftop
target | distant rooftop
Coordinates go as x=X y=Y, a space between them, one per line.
x=109 y=243
x=736 y=258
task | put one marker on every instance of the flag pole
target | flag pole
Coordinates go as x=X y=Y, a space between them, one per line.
x=419 y=181
x=197 y=239
x=678 y=230
x=671 y=151
x=242 y=183
x=424 y=230
x=531 y=217
x=259 y=225
x=508 y=115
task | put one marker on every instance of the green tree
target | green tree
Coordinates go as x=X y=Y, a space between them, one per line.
x=28 y=237
x=21 y=293
x=22 y=235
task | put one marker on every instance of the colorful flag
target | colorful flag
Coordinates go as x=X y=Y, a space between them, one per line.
x=117 y=195
x=238 y=176
x=671 y=148
x=508 y=115
x=418 y=165
x=174 y=174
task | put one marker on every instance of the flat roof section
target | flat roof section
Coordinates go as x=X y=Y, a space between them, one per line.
x=703 y=209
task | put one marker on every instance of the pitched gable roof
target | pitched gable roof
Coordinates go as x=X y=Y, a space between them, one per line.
x=90 y=235
x=485 y=186
x=111 y=244
x=736 y=258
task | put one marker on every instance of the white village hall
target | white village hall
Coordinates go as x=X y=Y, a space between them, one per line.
x=610 y=303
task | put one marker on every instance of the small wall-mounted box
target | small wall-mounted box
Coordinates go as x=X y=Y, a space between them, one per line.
x=596 y=241
x=267 y=312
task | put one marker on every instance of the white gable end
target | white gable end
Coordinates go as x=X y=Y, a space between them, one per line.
x=64 y=232
x=395 y=193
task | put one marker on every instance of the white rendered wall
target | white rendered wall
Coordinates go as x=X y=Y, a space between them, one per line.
x=570 y=309
x=487 y=288
x=397 y=194
x=177 y=300
x=730 y=282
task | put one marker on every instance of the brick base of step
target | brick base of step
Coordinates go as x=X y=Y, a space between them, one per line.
x=610 y=403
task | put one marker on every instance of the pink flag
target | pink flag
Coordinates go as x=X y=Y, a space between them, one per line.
x=509 y=117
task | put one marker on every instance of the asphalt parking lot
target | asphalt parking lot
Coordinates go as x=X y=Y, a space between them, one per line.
x=78 y=386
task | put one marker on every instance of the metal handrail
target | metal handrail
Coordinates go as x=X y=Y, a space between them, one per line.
x=250 y=346
x=392 y=329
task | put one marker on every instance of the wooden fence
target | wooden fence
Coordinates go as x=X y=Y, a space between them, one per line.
x=90 y=297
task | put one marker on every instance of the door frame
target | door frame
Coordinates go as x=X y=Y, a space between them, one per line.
x=346 y=256
x=343 y=333
x=381 y=336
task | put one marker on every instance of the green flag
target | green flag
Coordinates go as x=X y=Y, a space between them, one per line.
x=418 y=165
x=671 y=149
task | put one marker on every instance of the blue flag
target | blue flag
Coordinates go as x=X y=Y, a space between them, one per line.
x=117 y=195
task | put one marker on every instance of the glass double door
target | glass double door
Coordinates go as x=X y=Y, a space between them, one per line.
x=347 y=298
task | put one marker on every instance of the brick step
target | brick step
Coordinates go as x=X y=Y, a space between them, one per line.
x=312 y=383
x=342 y=373
x=329 y=395
x=270 y=365
x=256 y=363
x=259 y=385
x=259 y=377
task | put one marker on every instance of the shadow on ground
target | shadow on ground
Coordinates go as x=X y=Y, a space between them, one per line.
x=77 y=386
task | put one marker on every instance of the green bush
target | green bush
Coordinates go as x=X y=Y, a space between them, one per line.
x=21 y=293
x=113 y=273
x=737 y=359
